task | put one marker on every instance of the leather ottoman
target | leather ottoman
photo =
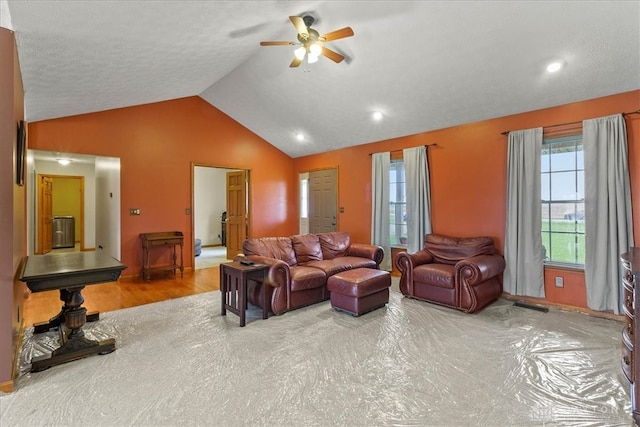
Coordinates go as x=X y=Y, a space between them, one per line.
x=359 y=291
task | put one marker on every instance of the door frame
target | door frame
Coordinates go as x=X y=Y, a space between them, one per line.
x=193 y=201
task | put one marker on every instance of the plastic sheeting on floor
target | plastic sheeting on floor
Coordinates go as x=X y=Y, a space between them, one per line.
x=179 y=362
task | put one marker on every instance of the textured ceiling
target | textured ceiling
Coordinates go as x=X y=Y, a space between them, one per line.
x=425 y=64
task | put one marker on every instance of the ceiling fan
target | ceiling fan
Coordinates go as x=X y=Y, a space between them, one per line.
x=311 y=42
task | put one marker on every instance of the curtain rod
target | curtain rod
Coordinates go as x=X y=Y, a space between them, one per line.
x=395 y=151
x=506 y=132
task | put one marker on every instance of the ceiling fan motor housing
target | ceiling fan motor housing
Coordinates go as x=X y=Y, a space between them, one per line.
x=308 y=20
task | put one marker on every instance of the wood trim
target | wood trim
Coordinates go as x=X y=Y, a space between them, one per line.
x=559 y=131
x=571 y=308
x=6 y=387
x=397 y=155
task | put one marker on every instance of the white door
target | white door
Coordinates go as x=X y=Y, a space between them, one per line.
x=322 y=201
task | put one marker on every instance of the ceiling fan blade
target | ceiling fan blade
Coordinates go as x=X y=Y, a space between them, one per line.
x=301 y=28
x=334 y=56
x=338 y=34
x=296 y=62
x=276 y=43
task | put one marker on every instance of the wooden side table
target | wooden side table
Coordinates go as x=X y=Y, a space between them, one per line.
x=167 y=239
x=234 y=278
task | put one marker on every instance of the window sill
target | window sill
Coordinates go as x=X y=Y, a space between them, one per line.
x=563 y=267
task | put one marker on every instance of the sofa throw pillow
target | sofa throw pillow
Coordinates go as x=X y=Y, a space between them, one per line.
x=334 y=244
x=307 y=248
x=273 y=247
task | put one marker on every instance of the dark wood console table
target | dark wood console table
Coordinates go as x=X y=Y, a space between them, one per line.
x=70 y=273
x=168 y=240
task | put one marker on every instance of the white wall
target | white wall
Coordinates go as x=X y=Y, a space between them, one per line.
x=107 y=204
x=210 y=200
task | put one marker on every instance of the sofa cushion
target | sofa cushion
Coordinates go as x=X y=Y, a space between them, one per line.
x=303 y=277
x=334 y=244
x=450 y=250
x=442 y=275
x=307 y=248
x=331 y=266
x=273 y=247
x=359 y=262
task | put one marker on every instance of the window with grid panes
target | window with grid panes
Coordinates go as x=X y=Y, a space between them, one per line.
x=397 y=203
x=562 y=179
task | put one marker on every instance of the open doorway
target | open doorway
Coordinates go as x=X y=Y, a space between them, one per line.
x=60 y=214
x=96 y=220
x=214 y=215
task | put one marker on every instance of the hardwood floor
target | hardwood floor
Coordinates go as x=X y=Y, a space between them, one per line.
x=126 y=292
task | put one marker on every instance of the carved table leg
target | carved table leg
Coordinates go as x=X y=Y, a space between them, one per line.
x=74 y=345
x=58 y=319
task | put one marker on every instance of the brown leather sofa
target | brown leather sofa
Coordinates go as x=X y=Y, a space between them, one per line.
x=463 y=273
x=300 y=265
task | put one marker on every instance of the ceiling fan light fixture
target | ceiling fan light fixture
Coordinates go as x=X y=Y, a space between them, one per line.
x=300 y=52
x=315 y=49
x=312 y=58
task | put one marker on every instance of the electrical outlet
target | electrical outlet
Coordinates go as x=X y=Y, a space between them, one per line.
x=134 y=211
x=559 y=282
x=187 y=211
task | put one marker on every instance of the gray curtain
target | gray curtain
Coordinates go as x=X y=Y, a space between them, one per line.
x=380 y=205
x=418 y=196
x=524 y=273
x=608 y=222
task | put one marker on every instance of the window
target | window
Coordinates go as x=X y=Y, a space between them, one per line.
x=304 y=198
x=562 y=179
x=397 y=203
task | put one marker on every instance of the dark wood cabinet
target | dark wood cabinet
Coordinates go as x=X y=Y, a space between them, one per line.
x=630 y=358
x=167 y=240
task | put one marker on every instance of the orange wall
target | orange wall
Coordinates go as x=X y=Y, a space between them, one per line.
x=156 y=144
x=468 y=176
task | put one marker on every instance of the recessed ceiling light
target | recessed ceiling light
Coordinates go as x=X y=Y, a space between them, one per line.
x=554 y=66
x=377 y=115
x=300 y=137
x=64 y=162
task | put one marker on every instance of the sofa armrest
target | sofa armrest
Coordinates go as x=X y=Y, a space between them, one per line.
x=279 y=273
x=477 y=269
x=279 y=278
x=405 y=263
x=363 y=250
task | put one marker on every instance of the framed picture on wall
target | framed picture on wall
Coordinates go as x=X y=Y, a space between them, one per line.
x=21 y=148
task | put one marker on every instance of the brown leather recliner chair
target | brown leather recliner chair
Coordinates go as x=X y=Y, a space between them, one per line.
x=463 y=273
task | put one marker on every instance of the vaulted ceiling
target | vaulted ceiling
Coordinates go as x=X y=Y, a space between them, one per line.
x=424 y=64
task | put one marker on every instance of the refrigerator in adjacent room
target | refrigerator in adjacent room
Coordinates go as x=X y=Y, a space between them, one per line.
x=64 y=232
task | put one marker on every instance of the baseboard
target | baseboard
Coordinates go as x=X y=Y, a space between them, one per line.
x=565 y=307
x=6 y=387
